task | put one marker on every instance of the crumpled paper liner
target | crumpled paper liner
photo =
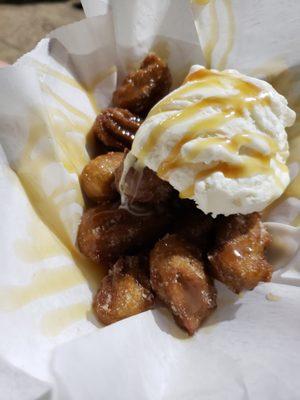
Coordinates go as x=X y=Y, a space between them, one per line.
x=48 y=101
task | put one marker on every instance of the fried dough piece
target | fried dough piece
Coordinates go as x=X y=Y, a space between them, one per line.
x=178 y=278
x=238 y=259
x=142 y=89
x=143 y=186
x=116 y=127
x=138 y=267
x=122 y=292
x=196 y=227
x=98 y=177
x=106 y=234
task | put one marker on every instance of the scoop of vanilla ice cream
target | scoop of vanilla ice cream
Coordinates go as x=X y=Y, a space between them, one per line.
x=220 y=140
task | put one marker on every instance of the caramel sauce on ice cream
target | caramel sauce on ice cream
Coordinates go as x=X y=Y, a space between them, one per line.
x=220 y=134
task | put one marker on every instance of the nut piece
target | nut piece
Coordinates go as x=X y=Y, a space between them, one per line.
x=121 y=294
x=142 y=89
x=238 y=258
x=143 y=186
x=105 y=235
x=97 y=178
x=178 y=278
x=116 y=128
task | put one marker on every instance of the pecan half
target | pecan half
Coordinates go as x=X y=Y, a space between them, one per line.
x=116 y=127
x=142 y=89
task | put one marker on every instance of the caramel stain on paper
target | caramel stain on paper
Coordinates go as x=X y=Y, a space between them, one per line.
x=293 y=190
x=44 y=283
x=70 y=138
x=272 y=297
x=201 y=2
x=213 y=34
x=55 y=321
x=65 y=151
x=208 y=329
x=296 y=221
x=230 y=34
x=71 y=81
x=39 y=244
x=69 y=107
x=48 y=281
x=50 y=233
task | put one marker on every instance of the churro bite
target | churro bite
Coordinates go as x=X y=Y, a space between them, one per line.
x=98 y=177
x=238 y=259
x=178 y=278
x=142 y=89
x=122 y=292
x=108 y=233
x=142 y=186
x=196 y=227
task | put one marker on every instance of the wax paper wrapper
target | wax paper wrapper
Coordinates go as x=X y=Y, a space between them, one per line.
x=51 y=347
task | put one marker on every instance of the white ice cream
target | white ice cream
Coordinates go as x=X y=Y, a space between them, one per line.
x=220 y=140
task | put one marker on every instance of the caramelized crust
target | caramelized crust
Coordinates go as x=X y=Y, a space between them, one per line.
x=142 y=89
x=116 y=127
x=179 y=280
x=143 y=186
x=106 y=234
x=122 y=293
x=97 y=178
x=238 y=259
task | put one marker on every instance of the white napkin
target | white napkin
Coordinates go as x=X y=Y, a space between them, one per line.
x=16 y=385
x=48 y=101
x=249 y=349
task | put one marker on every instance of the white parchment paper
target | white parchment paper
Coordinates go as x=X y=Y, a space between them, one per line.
x=249 y=348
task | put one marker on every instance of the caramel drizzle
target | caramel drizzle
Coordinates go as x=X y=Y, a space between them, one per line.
x=52 y=228
x=246 y=98
x=200 y=2
x=71 y=81
x=75 y=111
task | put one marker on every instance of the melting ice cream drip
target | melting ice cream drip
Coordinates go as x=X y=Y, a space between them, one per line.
x=129 y=204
